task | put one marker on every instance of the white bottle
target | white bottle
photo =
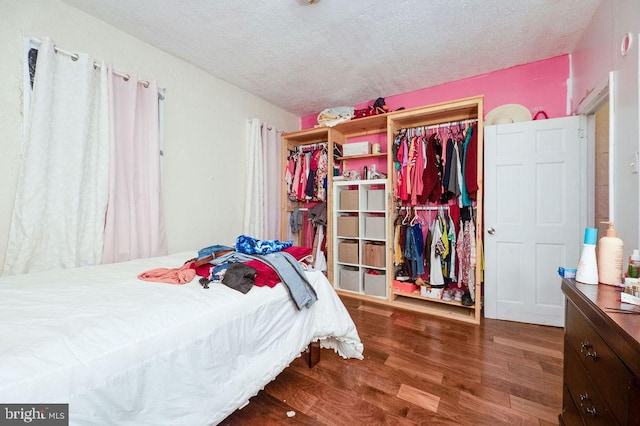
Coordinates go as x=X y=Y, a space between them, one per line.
x=588 y=268
x=610 y=257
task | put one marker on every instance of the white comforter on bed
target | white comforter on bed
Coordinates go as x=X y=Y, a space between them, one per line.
x=124 y=351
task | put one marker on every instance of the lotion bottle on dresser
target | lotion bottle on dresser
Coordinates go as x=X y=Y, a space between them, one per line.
x=610 y=257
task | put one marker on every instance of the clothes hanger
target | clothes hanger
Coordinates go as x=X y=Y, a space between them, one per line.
x=404 y=219
x=413 y=219
x=414 y=216
x=416 y=219
x=445 y=212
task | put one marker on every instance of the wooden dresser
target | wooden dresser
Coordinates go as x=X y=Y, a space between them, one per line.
x=601 y=358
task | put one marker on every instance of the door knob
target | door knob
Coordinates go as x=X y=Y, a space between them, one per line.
x=491 y=231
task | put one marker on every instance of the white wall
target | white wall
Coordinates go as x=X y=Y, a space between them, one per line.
x=204 y=120
x=598 y=53
x=593 y=57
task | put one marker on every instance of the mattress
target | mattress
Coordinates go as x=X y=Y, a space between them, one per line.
x=124 y=351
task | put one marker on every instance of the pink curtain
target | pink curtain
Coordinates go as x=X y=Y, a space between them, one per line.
x=134 y=225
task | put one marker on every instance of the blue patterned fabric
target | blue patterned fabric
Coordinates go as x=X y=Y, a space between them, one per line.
x=249 y=245
x=207 y=251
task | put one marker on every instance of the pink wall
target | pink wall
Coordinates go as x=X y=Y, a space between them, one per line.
x=537 y=85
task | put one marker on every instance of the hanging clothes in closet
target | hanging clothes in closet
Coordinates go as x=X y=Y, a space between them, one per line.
x=305 y=176
x=466 y=250
x=436 y=246
x=413 y=247
x=424 y=175
x=309 y=224
x=306 y=172
x=436 y=187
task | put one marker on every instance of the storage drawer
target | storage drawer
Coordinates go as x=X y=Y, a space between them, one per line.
x=586 y=398
x=349 y=279
x=349 y=199
x=347 y=226
x=374 y=227
x=375 y=199
x=375 y=284
x=570 y=413
x=607 y=370
x=348 y=252
x=374 y=255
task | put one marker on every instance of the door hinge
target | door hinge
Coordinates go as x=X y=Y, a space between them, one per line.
x=581 y=133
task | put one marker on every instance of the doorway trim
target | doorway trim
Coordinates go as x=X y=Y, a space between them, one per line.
x=598 y=97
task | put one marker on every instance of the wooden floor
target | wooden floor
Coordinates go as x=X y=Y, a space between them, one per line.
x=420 y=369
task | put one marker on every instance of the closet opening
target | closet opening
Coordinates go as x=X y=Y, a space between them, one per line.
x=598 y=109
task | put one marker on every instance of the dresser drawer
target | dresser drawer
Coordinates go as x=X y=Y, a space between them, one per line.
x=587 y=400
x=609 y=374
x=570 y=414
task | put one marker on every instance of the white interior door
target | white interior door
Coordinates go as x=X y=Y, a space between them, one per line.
x=535 y=191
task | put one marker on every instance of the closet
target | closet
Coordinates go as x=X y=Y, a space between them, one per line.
x=368 y=219
x=306 y=192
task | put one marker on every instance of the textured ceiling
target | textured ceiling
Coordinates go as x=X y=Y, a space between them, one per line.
x=306 y=57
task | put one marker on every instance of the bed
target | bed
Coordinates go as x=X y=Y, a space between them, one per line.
x=129 y=352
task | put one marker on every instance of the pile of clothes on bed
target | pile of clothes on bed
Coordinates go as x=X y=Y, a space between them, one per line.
x=249 y=262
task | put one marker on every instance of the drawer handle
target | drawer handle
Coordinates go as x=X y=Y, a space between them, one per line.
x=586 y=347
x=588 y=410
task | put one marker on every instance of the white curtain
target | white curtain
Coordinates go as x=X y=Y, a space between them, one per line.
x=135 y=222
x=253 y=221
x=272 y=181
x=59 y=210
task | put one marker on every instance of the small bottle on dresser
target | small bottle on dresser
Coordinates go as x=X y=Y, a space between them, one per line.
x=588 y=266
x=634 y=264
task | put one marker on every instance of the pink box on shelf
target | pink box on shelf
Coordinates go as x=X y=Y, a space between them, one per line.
x=404 y=286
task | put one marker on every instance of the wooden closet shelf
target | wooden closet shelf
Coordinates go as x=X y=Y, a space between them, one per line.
x=353 y=157
x=417 y=295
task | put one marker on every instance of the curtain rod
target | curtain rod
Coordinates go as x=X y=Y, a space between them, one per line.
x=265 y=125
x=268 y=127
x=74 y=57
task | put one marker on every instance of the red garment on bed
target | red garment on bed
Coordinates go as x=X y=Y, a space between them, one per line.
x=266 y=275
